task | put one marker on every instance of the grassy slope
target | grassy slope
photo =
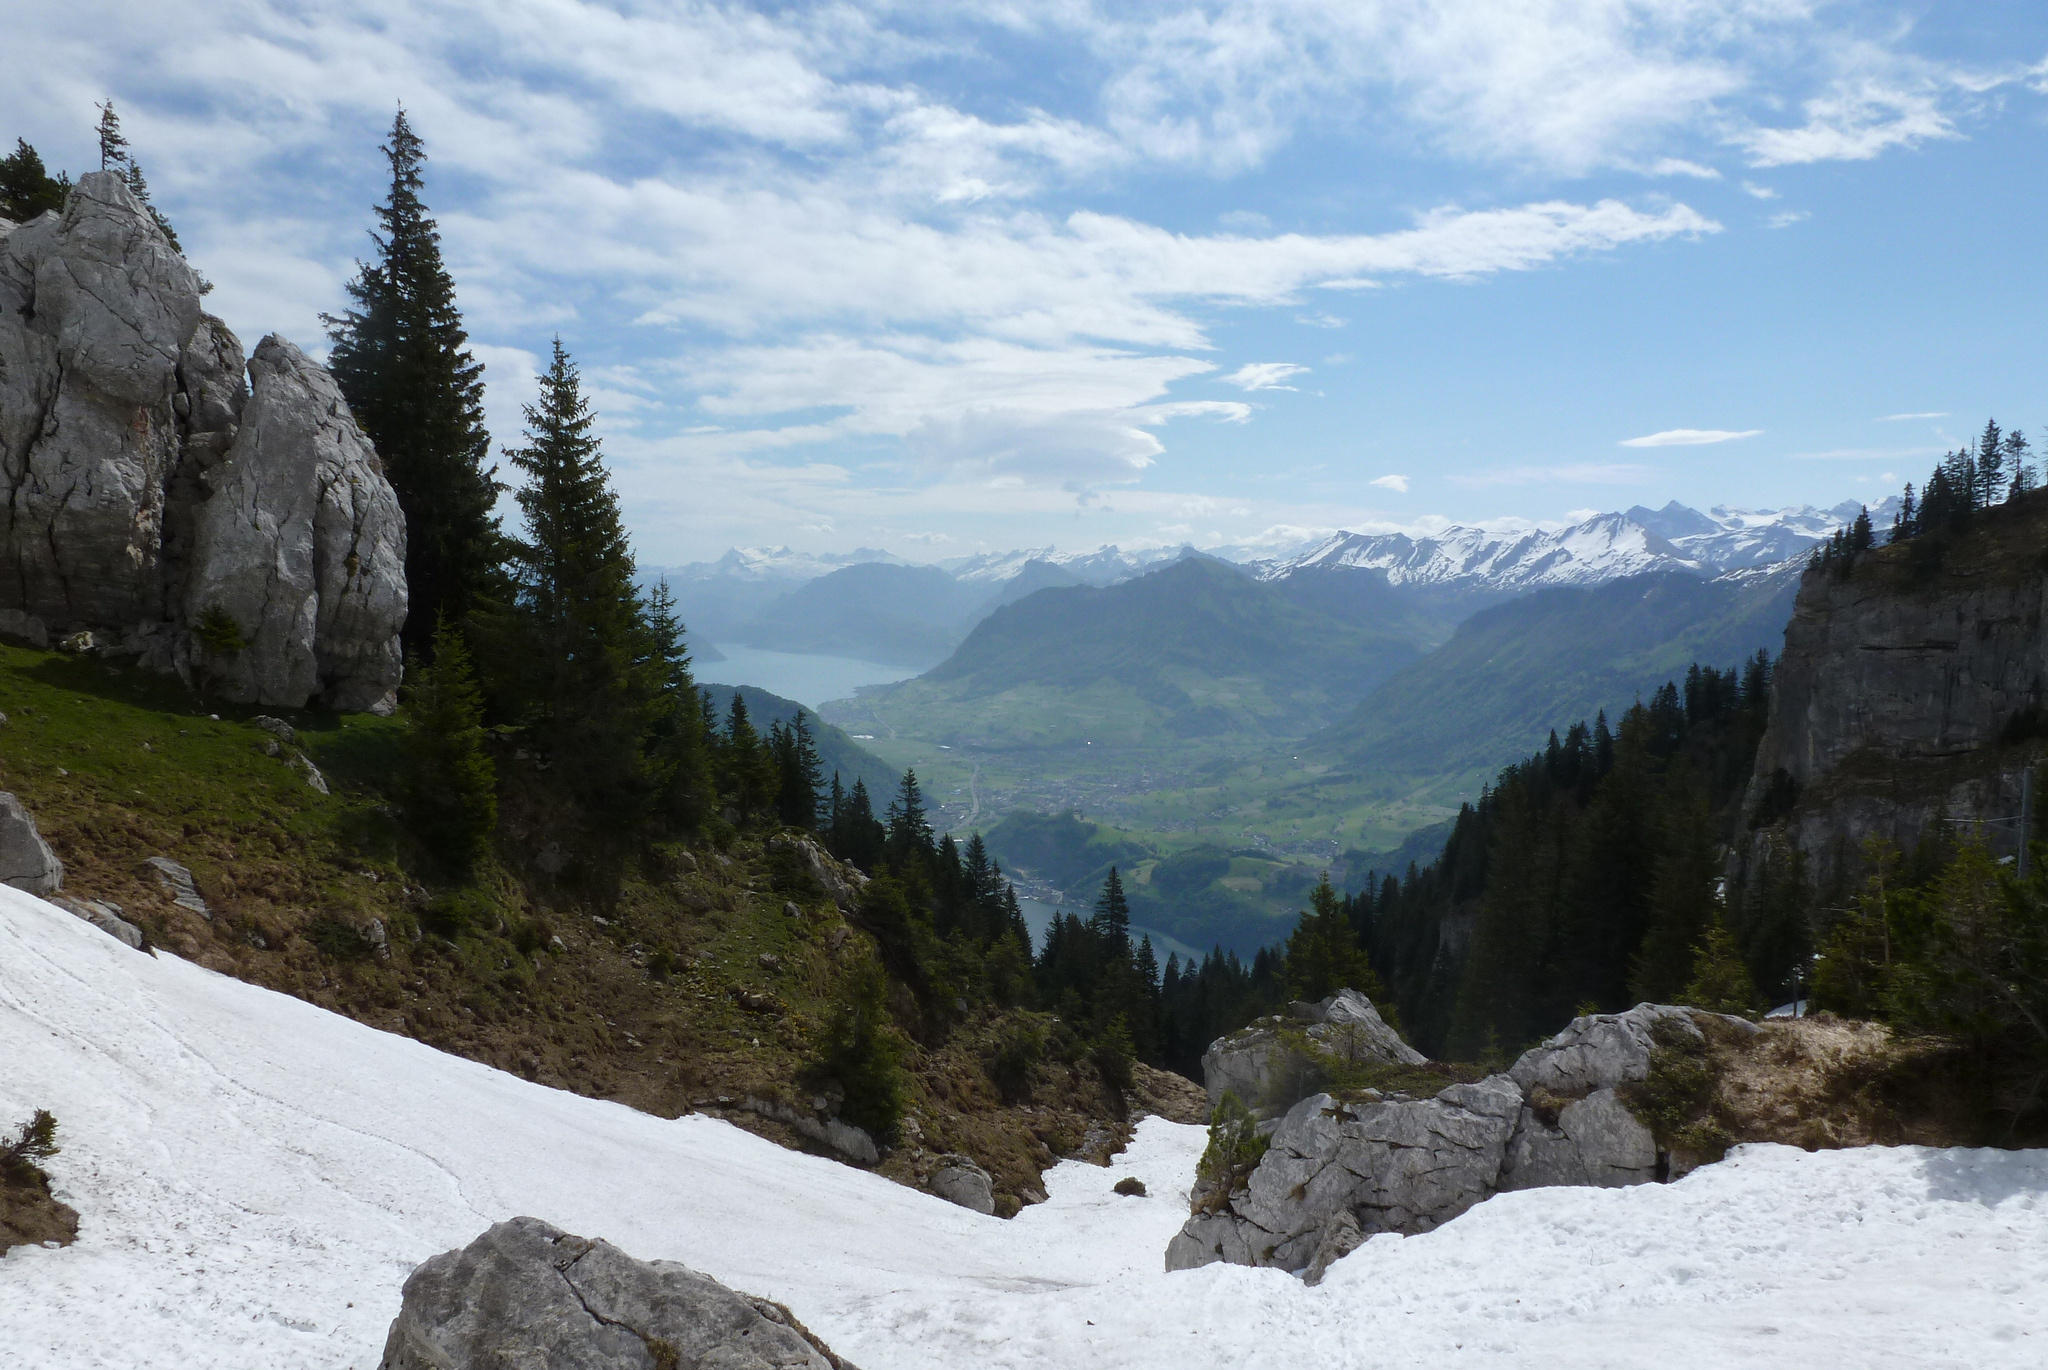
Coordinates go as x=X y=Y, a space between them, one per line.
x=1511 y=673
x=118 y=765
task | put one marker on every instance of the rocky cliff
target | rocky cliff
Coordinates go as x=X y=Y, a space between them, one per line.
x=153 y=498
x=1910 y=690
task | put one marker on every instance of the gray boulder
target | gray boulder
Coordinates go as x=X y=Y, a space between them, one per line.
x=178 y=883
x=26 y=861
x=1335 y=1171
x=1594 y=1141
x=843 y=882
x=525 y=1294
x=104 y=916
x=960 y=1181
x=142 y=483
x=1278 y=1061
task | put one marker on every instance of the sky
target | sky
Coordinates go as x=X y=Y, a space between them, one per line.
x=944 y=279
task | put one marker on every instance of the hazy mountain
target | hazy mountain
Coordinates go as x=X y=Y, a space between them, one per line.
x=715 y=597
x=896 y=614
x=1512 y=672
x=1104 y=566
x=1196 y=649
x=836 y=751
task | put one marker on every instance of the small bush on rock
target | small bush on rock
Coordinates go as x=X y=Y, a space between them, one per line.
x=1235 y=1148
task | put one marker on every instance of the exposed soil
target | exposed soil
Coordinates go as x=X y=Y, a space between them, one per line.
x=29 y=1216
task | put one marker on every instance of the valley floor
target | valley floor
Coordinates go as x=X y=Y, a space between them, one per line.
x=256 y=1177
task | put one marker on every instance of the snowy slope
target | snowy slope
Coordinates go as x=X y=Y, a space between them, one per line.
x=249 y=1167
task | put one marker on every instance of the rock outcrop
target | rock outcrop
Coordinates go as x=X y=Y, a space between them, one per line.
x=26 y=861
x=1278 y=1061
x=149 y=492
x=528 y=1294
x=960 y=1181
x=1912 y=688
x=1338 y=1169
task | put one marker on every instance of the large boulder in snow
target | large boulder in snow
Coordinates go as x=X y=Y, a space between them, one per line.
x=960 y=1181
x=528 y=1294
x=1278 y=1061
x=1385 y=1165
x=26 y=861
x=141 y=484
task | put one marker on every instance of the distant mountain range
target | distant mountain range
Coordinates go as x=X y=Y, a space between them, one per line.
x=876 y=606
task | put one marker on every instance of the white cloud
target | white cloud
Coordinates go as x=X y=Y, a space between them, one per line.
x=1398 y=484
x=1760 y=192
x=1788 y=218
x=1678 y=166
x=1689 y=437
x=1264 y=375
x=1898 y=418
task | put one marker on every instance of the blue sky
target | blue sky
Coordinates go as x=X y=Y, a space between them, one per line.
x=990 y=275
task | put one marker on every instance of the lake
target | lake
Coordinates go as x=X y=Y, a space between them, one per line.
x=809 y=680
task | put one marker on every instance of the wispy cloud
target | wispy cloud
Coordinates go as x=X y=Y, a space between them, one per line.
x=1264 y=375
x=1864 y=454
x=1788 y=218
x=1689 y=437
x=1398 y=484
x=1760 y=192
x=1900 y=418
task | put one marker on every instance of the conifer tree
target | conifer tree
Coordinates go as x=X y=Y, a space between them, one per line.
x=1323 y=955
x=402 y=360
x=796 y=759
x=1721 y=982
x=584 y=670
x=113 y=146
x=748 y=776
x=139 y=188
x=910 y=832
x=1990 y=473
x=26 y=187
x=1112 y=920
x=452 y=792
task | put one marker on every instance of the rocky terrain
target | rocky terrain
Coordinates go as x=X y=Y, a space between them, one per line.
x=163 y=499
x=1613 y=1100
x=1911 y=689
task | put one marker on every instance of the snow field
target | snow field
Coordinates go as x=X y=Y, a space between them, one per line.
x=256 y=1177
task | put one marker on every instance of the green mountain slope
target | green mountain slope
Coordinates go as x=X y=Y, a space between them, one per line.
x=1197 y=650
x=836 y=751
x=1492 y=693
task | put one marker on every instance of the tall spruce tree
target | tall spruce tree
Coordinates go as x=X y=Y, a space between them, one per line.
x=402 y=360
x=583 y=668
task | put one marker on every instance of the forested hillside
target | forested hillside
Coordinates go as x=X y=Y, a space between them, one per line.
x=1511 y=672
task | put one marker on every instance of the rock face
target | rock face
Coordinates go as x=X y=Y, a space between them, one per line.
x=1337 y=1171
x=1903 y=685
x=26 y=861
x=1278 y=1061
x=145 y=483
x=527 y=1294
x=104 y=916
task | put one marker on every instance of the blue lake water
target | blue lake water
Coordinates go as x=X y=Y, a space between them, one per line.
x=809 y=680
x=1038 y=917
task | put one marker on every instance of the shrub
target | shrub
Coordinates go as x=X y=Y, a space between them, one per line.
x=337 y=939
x=1235 y=1147
x=217 y=633
x=863 y=1053
x=36 y=1141
x=453 y=915
x=1113 y=1054
x=1015 y=1058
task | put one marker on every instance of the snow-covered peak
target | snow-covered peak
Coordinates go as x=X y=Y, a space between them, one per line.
x=1602 y=548
x=1104 y=565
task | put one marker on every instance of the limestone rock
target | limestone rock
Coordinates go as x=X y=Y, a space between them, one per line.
x=142 y=483
x=960 y=1181
x=178 y=883
x=26 y=861
x=302 y=545
x=528 y=1294
x=842 y=882
x=1266 y=1067
x=818 y=1124
x=1602 y=1050
x=106 y=917
x=1392 y=1165
x=1595 y=1141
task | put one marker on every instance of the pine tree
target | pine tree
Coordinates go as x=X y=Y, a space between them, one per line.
x=2021 y=471
x=910 y=832
x=402 y=360
x=748 y=778
x=1860 y=538
x=583 y=671
x=452 y=792
x=1721 y=982
x=26 y=187
x=139 y=188
x=677 y=746
x=1323 y=955
x=113 y=147
x=1990 y=473
x=1112 y=920
x=797 y=765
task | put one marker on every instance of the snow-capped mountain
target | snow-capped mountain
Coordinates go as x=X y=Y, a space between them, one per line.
x=1603 y=548
x=1104 y=566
